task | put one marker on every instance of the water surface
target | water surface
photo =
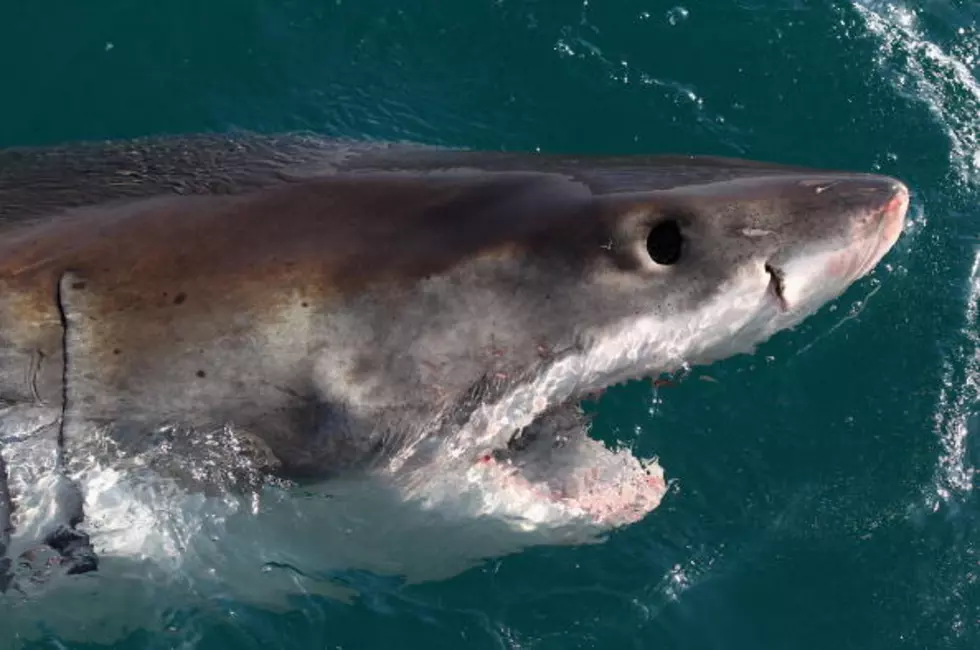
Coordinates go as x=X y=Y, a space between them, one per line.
x=824 y=489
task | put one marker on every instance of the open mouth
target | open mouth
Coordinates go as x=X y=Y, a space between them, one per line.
x=553 y=463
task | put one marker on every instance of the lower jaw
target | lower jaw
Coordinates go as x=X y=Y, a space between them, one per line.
x=571 y=487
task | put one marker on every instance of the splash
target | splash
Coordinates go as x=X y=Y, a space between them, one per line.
x=160 y=543
x=959 y=400
x=940 y=80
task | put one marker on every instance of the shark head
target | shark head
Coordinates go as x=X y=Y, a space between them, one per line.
x=632 y=284
x=703 y=272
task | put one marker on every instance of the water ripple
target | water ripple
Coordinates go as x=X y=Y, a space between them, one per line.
x=958 y=401
x=927 y=73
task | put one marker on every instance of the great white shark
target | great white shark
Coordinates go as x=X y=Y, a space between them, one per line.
x=227 y=310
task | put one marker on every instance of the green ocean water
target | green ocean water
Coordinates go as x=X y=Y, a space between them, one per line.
x=824 y=490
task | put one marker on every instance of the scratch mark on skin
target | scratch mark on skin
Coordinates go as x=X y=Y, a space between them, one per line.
x=36 y=359
x=286 y=390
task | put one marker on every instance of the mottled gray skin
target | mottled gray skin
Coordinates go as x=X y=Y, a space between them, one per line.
x=337 y=303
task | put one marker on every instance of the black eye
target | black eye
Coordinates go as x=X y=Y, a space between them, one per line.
x=664 y=242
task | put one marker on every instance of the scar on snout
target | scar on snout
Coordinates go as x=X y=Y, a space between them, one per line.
x=818 y=186
x=201 y=374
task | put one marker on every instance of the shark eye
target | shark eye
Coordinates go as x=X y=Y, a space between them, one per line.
x=664 y=242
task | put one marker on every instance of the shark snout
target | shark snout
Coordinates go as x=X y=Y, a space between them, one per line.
x=891 y=219
x=874 y=232
x=873 y=210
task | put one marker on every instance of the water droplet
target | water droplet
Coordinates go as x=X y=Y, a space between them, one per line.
x=564 y=49
x=676 y=15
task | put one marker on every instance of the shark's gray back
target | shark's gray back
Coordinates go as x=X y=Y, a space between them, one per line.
x=35 y=181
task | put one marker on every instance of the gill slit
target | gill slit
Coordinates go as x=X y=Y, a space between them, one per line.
x=63 y=316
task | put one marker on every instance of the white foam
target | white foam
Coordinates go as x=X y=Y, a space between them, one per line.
x=958 y=401
x=940 y=80
x=943 y=82
x=159 y=543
